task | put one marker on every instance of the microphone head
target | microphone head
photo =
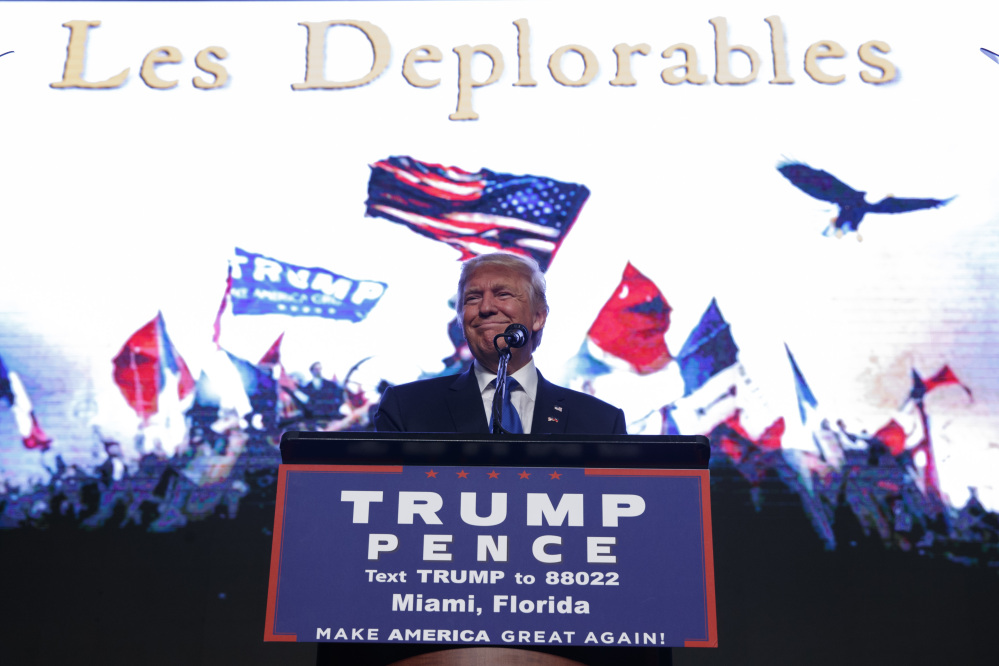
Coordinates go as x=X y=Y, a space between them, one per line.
x=516 y=335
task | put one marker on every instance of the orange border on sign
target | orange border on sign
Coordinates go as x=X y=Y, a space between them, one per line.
x=275 y=573
x=709 y=562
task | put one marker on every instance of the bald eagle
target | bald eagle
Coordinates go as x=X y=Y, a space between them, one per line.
x=852 y=204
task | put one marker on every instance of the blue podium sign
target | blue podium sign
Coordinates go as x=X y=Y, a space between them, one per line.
x=482 y=556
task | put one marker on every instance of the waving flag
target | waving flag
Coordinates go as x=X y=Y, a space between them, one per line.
x=804 y=393
x=13 y=391
x=719 y=393
x=828 y=442
x=920 y=387
x=260 y=387
x=476 y=212
x=944 y=377
x=290 y=399
x=715 y=385
x=233 y=384
x=632 y=325
x=258 y=285
x=147 y=365
x=272 y=356
x=708 y=350
x=892 y=436
x=733 y=439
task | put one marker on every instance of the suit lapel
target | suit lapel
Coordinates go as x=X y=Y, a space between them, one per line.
x=465 y=404
x=550 y=409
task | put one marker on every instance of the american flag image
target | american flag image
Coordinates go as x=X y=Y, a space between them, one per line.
x=476 y=212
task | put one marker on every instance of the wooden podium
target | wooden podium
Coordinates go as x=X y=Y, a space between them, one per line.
x=417 y=549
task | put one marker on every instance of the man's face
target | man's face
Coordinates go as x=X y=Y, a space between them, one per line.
x=494 y=298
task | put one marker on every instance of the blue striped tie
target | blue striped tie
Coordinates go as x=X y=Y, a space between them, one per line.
x=510 y=419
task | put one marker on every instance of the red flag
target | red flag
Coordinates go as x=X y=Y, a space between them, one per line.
x=286 y=384
x=942 y=378
x=273 y=355
x=771 y=438
x=731 y=437
x=892 y=436
x=735 y=442
x=735 y=423
x=632 y=325
x=145 y=363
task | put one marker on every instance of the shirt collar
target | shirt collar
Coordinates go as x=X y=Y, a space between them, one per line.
x=527 y=377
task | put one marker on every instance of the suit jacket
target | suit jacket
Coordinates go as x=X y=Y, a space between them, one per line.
x=454 y=404
x=324 y=401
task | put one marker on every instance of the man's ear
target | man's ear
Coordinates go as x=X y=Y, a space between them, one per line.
x=539 y=321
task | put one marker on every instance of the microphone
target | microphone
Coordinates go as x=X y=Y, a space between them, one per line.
x=515 y=335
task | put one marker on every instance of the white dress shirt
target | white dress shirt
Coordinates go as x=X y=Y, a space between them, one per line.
x=522 y=397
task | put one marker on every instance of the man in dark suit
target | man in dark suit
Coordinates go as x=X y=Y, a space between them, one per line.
x=494 y=291
x=324 y=397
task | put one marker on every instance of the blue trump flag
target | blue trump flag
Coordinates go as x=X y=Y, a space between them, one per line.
x=262 y=285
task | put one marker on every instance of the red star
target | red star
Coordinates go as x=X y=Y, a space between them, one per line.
x=462 y=474
x=494 y=474
x=555 y=475
x=431 y=474
x=525 y=474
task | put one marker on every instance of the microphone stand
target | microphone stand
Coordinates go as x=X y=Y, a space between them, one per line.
x=500 y=395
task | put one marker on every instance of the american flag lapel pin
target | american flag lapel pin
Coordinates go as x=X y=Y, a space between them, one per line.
x=552 y=418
